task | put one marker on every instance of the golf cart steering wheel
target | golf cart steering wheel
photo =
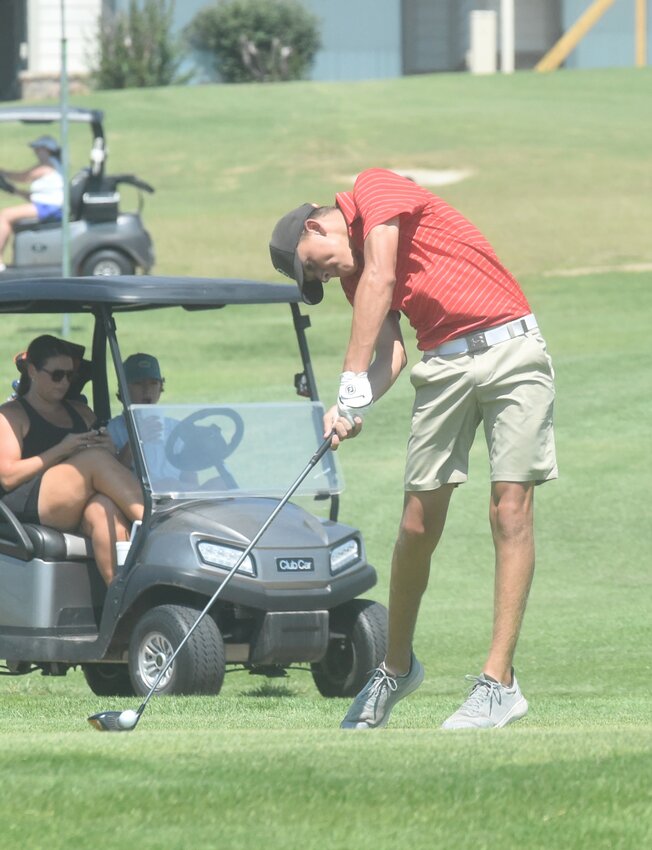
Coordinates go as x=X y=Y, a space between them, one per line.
x=192 y=447
x=6 y=186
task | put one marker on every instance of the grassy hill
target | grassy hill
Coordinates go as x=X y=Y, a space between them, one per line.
x=559 y=160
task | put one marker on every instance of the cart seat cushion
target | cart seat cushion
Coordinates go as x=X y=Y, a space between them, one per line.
x=35 y=224
x=50 y=544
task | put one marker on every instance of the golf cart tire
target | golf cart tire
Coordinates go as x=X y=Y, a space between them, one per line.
x=200 y=666
x=357 y=646
x=107 y=262
x=109 y=680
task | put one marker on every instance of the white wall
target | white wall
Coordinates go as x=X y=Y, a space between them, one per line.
x=44 y=34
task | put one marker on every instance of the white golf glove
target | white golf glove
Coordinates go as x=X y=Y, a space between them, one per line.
x=355 y=397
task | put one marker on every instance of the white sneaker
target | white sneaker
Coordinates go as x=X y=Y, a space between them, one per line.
x=373 y=705
x=490 y=705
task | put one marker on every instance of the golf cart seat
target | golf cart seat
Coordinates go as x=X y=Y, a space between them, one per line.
x=29 y=540
x=35 y=224
x=55 y=585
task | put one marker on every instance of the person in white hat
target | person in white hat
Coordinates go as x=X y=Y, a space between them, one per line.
x=45 y=194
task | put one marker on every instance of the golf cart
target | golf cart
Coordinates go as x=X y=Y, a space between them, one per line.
x=103 y=239
x=210 y=483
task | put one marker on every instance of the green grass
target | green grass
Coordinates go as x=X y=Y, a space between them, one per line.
x=562 y=181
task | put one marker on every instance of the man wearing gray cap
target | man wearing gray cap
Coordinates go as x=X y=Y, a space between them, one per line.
x=397 y=248
x=45 y=195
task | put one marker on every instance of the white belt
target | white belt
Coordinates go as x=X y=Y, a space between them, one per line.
x=481 y=340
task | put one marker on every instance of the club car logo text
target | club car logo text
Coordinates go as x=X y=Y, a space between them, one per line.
x=295 y=565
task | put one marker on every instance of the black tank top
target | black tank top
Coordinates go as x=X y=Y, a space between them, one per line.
x=42 y=435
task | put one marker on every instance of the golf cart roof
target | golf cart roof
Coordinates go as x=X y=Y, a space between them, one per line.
x=138 y=292
x=48 y=114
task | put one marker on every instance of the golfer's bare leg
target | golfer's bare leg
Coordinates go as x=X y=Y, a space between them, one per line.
x=422 y=523
x=511 y=514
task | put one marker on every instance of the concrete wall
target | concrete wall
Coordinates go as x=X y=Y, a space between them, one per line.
x=44 y=34
x=40 y=77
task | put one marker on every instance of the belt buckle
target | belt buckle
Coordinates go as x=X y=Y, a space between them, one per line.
x=477 y=342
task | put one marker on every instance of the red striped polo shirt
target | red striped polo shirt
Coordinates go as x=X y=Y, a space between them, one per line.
x=449 y=281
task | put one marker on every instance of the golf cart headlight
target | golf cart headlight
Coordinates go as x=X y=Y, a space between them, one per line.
x=225 y=557
x=344 y=555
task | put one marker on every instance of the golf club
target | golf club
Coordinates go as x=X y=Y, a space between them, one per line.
x=125 y=721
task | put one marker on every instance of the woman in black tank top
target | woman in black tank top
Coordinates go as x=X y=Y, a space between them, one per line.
x=42 y=434
x=54 y=469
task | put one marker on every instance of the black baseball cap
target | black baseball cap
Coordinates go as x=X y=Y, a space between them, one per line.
x=283 y=251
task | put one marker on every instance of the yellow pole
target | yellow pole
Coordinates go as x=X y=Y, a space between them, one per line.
x=571 y=38
x=641 y=33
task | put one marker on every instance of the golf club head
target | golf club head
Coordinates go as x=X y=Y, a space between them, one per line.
x=113 y=721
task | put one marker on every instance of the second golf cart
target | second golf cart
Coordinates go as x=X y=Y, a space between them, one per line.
x=209 y=487
x=104 y=239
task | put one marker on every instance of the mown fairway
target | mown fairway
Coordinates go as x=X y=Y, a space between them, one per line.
x=561 y=181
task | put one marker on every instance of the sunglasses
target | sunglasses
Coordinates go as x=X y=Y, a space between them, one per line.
x=58 y=375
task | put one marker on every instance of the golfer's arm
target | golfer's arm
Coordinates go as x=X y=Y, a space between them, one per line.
x=373 y=297
x=390 y=356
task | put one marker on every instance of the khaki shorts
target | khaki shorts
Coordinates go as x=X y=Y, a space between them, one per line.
x=509 y=387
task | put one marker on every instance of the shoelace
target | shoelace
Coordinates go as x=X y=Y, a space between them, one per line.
x=381 y=678
x=482 y=691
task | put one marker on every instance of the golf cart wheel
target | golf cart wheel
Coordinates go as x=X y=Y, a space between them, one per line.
x=107 y=263
x=357 y=645
x=108 y=680
x=198 y=669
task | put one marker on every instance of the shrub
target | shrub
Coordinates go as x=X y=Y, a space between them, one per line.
x=136 y=49
x=260 y=40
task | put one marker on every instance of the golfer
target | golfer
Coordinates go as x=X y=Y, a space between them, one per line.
x=397 y=248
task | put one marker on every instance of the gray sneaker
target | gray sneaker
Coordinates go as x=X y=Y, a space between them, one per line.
x=373 y=705
x=489 y=705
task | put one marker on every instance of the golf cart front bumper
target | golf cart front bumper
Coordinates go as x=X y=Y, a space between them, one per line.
x=286 y=638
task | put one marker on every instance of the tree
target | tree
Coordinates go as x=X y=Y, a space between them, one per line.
x=136 y=48
x=256 y=40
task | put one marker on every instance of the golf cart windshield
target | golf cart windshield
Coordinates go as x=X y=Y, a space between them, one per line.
x=207 y=451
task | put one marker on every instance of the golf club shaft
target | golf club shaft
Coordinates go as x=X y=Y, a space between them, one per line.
x=321 y=451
